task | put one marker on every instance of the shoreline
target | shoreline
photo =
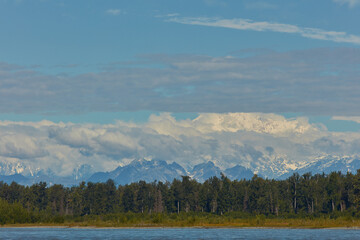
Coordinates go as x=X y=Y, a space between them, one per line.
x=27 y=226
x=204 y=222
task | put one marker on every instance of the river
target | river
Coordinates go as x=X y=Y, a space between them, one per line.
x=176 y=233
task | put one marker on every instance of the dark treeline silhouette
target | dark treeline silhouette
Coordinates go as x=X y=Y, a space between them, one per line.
x=306 y=195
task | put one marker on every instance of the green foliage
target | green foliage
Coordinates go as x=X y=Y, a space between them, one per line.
x=11 y=213
x=216 y=201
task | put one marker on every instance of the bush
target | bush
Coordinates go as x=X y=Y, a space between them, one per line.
x=13 y=213
x=157 y=218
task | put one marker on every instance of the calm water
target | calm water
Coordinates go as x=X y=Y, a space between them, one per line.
x=177 y=233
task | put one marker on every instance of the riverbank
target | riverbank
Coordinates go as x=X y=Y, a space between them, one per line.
x=234 y=223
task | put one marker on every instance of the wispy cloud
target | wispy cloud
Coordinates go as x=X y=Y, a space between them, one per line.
x=113 y=12
x=345 y=118
x=315 y=81
x=167 y=15
x=247 y=24
x=351 y=3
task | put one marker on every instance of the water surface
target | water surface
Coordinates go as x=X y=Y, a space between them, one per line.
x=176 y=233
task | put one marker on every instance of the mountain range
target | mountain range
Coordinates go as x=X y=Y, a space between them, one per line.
x=137 y=170
x=327 y=165
x=141 y=170
x=160 y=170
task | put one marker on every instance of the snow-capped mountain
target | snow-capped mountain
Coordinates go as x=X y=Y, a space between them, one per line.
x=137 y=170
x=23 y=174
x=9 y=168
x=238 y=172
x=160 y=170
x=204 y=171
x=256 y=122
x=83 y=172
x=328 y=164
x=18 y=178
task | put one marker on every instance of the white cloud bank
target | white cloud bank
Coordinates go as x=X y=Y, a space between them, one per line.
x=267 y=143
x=247 y=24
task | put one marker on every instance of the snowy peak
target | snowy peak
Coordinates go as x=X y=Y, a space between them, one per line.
x=7 y=168
x=256 y=122
x=142 y=169
x=328 y=164
x=204 y=171
x=160 y=170
x=239 y=172
x=13 y=168
x=83 y=172
x=18 y=178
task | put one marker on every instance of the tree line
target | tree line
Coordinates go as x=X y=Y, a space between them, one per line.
x=306 y=195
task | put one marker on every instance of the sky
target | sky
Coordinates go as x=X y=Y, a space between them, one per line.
x=115 y=66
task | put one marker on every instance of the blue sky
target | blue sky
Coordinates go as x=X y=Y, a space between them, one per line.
x=106 y=82
x=53 y=33
x=71 y=60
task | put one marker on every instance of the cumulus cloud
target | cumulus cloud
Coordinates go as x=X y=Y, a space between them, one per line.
x=20 y=147
x=351 y=3
x=266 y=143
x=256 y=122
x=247 y=24
x=315 y=81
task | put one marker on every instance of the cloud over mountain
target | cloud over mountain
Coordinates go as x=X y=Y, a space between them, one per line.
x=265 y=143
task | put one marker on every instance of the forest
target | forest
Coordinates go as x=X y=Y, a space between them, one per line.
x=216 y=201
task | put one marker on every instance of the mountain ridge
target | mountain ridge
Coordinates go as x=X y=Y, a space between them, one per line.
x=161 y=170
x=137 y=170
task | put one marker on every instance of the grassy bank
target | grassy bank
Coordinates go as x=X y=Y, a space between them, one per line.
x=131 y=220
